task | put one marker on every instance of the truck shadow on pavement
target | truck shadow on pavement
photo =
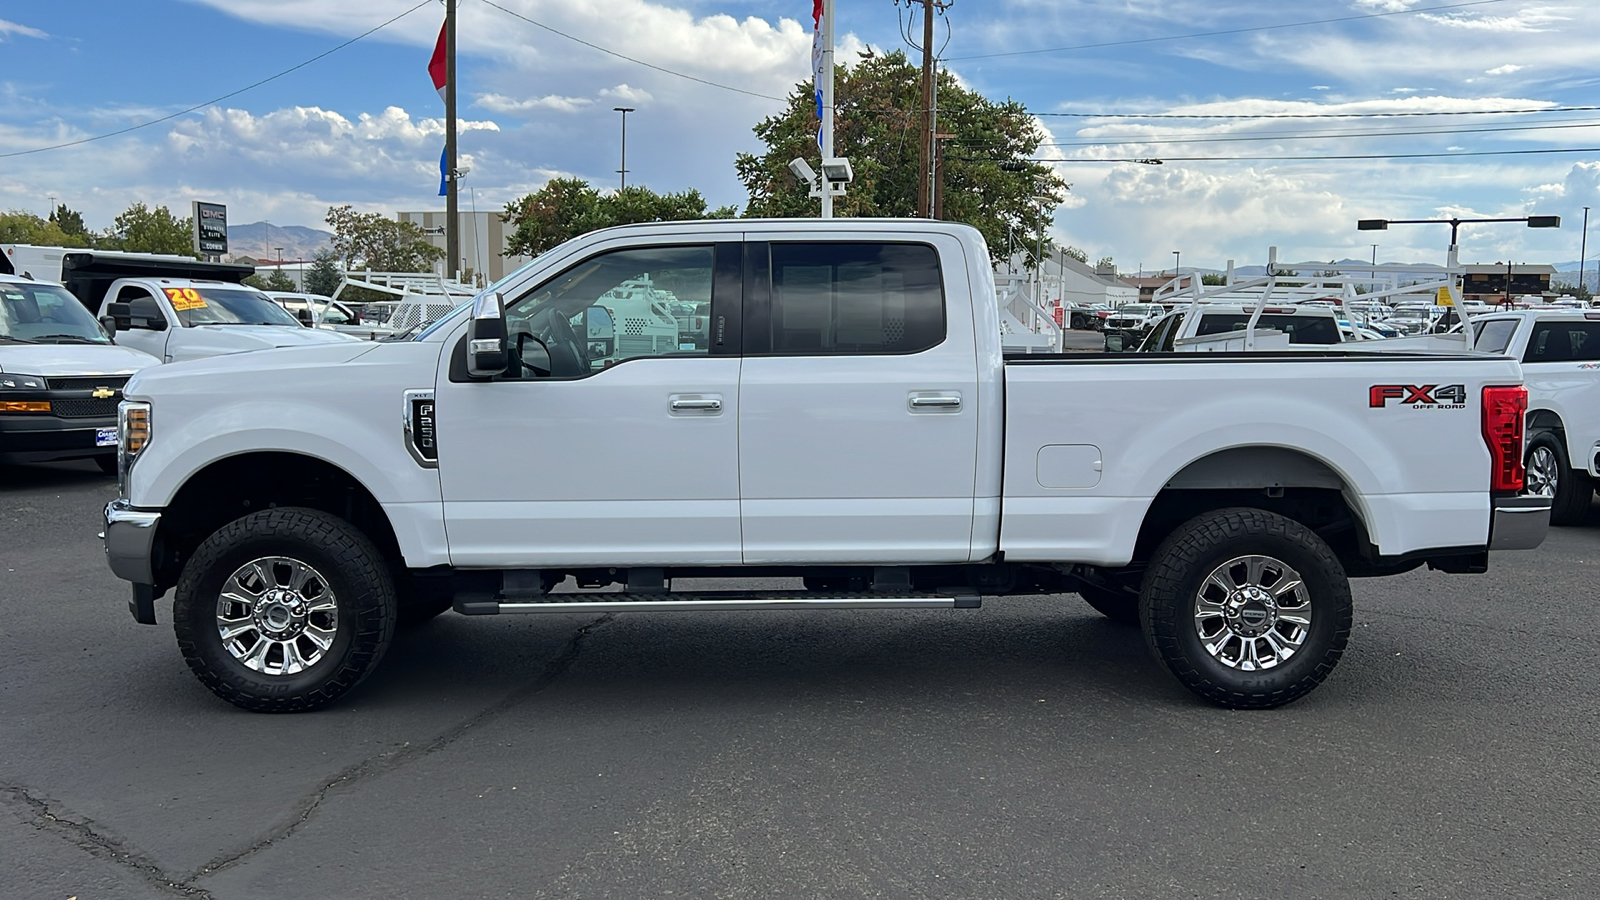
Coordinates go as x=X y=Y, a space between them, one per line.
x=44 y=476
x=1043 y=648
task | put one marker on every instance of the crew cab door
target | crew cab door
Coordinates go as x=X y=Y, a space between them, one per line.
x=858 y=401
x=606 y=454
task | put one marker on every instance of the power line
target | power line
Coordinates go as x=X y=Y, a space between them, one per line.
x=216 y=100
x=1321 y=157
x=1201 y=34
x=726 y=87
x=1370 y=115
x=1216 y=139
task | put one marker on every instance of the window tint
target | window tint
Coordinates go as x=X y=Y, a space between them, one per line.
x=855 y=298
x=649 y=301
x=1564 y=342
x=1494 y=336
x=1300 y=329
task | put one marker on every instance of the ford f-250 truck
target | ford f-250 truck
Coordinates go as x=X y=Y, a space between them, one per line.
x=848 y=419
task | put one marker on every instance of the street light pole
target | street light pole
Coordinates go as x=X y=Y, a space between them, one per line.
x=1583 y=249
x=624 y=170
x=1177 y=263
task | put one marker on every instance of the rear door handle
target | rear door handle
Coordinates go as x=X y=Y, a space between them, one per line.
x=931 y=402
x=695 y=403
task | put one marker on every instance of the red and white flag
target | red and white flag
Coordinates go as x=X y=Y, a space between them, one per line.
x=436 y=65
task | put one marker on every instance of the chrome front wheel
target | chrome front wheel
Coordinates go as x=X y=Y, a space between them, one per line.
x=277 y=616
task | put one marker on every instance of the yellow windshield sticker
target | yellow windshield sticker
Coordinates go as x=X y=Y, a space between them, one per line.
x=185 y=298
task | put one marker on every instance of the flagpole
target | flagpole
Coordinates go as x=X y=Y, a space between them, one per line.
x=827 y=102
x=452 y=223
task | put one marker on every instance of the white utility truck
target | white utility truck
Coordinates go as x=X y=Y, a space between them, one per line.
x=61 y=377
x=178 y=309
x=1560 y=354
x=851 y=422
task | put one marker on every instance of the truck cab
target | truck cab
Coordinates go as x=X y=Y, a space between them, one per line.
x=178 y=310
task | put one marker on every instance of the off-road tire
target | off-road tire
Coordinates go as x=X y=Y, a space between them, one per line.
x=1121 y=607
x=1168 y=599
x=356 y=572
x=1574 y=487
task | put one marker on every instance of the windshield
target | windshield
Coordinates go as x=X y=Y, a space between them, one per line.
x=227 y=306
x=1493 y=336
x=45 y=314
x=1138 y=310
x=1411 y=312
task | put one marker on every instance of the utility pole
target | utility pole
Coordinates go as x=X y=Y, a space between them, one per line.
x=927 y=155
x=452 y=223
x=624 y=170
x=1583 y=248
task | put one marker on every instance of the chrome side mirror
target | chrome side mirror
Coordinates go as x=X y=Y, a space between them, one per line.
x=486 y=337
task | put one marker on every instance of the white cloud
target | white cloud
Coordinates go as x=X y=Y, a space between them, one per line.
x=627 y=94
x=1506 y=69
x=8 y=28
x=500 y=103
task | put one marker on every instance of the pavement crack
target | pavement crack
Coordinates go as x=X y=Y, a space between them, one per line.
x=388 y=761
x=83 y=834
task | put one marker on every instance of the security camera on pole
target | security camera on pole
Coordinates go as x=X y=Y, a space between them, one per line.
x=836 y=171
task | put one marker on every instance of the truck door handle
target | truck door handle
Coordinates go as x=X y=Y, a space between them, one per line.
x=935 y=401
x=695 y=404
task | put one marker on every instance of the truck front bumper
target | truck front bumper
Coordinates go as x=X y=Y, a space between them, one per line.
x=1519 y=523
x=130 y=538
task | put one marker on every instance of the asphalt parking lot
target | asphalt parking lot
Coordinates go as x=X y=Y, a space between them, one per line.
x=1027 y=749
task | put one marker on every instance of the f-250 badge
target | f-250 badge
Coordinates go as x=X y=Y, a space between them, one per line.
x=1426 y=396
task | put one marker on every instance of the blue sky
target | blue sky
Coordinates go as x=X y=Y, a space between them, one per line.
x=363 y=125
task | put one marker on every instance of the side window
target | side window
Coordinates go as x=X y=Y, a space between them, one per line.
x=1494 y=336
x=1564 y=342
x=626 y=304
x=853 y=299
x=131 y=292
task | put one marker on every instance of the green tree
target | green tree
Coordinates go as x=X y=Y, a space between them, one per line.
x=567 y=207
x=989 y=178
x=377 y=242
x=139 y=229
x=20 y=227
x=1102 y=263
x=70 y=221
x=277 y=280
x=323 y=276
x=1210 y=279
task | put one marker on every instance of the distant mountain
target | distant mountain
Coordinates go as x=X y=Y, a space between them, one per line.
x=261 y=240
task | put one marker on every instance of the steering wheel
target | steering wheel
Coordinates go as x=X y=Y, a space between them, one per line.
x=568 y=355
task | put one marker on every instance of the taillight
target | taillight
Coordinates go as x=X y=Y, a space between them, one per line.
x=1504 y=408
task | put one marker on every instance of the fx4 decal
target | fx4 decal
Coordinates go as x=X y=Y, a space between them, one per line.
x=1426 y=396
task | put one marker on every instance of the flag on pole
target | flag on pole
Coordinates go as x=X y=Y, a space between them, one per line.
x=436 y=64
x=816 y=54
x=436 y=69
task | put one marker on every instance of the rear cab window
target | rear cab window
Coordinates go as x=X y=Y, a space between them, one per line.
x=1300 y=329
x=843 y=298
x=1493 y=336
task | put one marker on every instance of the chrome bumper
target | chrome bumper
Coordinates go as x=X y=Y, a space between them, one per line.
x=130 y=536
x=1519 y=523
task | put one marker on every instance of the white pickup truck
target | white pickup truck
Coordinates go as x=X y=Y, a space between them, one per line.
x=849 y=421
x=177 y=310
x=1560 y=353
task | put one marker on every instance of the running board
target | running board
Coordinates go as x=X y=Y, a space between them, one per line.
x=469 y=605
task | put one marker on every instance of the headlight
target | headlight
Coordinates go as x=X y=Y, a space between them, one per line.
x=133 y=434
x=9 y=382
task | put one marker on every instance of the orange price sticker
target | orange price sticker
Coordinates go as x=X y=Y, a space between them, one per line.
x=185 y=298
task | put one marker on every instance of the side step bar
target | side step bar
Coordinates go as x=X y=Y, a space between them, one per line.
x=479 y=605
